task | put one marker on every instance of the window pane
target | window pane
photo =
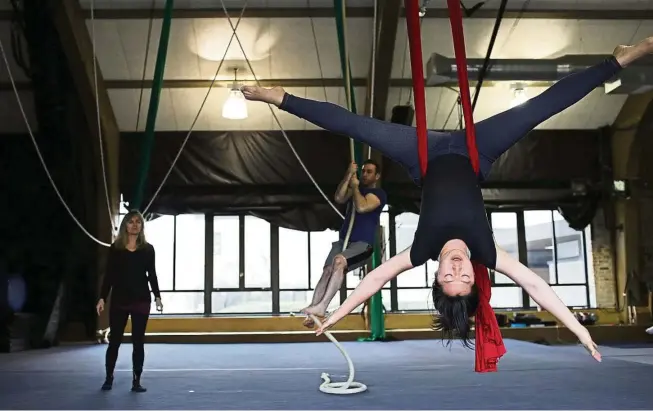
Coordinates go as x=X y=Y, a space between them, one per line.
x=574 y=296
x=506 y=297
x=414 y=300
x=538 y=227
x=321 y=242
x=570 y=251
x=160 y=233
x=226 y=251
x=257 y=252
x=354 y=278
x=293 y=258
x=405 y=227
x=241 y=302
x=181 y=303
x=294 y=301
x=590 y=266
x=189 y=264
x=385 y=227
x=504 y=226
x=431 y=269
x=385 y=296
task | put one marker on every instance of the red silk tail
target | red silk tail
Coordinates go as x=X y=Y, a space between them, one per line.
x=415 y=42
x=489 y=343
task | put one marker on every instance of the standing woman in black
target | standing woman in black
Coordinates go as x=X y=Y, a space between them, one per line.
x=130 y=267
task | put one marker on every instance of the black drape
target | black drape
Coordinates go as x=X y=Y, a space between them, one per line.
x=257 y=173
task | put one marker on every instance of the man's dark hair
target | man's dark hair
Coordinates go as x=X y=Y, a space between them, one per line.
x=376 y=165
x=453 y=314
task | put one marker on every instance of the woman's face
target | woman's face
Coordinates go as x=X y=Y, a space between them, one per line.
x=455 y=273
x=134 y=225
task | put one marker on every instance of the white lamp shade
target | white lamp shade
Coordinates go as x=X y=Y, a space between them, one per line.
x=235 y=108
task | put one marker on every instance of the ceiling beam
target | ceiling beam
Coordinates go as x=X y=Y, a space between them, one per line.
x=308 y=82
x=360 y=12
x=368 y=12
x=364 y=12
x=69 y=22
x=387 y=25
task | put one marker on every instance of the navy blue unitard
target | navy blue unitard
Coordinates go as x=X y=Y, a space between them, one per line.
x=446 y=212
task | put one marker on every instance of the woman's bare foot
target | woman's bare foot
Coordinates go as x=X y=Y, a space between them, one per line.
x=627 y=54
x=267 y=95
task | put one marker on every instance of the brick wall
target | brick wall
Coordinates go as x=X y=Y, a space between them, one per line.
x=602 y=256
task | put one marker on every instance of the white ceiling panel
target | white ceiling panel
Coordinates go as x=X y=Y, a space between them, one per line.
x=179 y=107
x=432 y=4
x=276 y=48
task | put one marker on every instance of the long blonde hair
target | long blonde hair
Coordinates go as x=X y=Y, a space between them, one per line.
x=121 y=239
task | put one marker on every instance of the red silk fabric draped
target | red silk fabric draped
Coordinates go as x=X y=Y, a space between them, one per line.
x=489 y=342
x=415 y=43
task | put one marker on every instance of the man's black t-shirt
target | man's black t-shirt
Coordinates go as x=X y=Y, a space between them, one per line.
x=452 y=208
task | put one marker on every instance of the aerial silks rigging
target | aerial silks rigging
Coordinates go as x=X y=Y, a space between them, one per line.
x=488 y=342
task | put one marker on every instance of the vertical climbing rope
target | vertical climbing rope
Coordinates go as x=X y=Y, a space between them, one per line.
x=356 y=150
x=375 y=309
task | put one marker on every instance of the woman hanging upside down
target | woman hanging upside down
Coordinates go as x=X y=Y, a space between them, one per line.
x=453 y=226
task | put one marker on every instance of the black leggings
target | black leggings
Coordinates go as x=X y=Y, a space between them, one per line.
x=118 y=321
x=494 y=135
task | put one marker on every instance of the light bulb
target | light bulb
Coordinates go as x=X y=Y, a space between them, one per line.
x=520 y=98
x=235 y=108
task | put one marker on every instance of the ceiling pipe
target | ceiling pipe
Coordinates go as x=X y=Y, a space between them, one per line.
x=637 y=78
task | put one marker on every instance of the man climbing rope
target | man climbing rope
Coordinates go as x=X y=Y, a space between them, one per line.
x=368 y=200
x=453 y=226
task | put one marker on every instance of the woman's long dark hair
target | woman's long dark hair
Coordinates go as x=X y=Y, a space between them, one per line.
x=453 y=314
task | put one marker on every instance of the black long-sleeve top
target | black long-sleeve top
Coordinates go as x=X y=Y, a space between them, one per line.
x=127 y=275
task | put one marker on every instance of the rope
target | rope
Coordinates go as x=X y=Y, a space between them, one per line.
x=373 y=68
x=38 y=151
x=348 y=387
x=328 y=387
x=274 y=115
x=99 y=123
x=352 y=148
x=199 y=112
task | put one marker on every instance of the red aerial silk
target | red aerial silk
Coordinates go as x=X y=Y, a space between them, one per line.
x=489 y=342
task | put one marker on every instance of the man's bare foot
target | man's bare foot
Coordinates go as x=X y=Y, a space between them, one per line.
x=308 y=322
x=627 y=54
x=317 y=311
x=267 y=95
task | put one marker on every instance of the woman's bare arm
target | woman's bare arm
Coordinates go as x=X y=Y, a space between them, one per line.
x=543 y=294
x=370 y=285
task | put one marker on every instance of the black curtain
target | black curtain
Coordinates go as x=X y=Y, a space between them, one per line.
x=40 y=240
x=257 y=173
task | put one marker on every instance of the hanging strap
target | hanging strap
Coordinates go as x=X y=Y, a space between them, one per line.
x=415 y=42
x=489 y=342
x=456 y=20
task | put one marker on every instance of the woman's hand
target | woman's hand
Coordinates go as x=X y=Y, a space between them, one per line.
x=99 y=307
x=586 y=339
x=328 y=323
x=159 y=304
